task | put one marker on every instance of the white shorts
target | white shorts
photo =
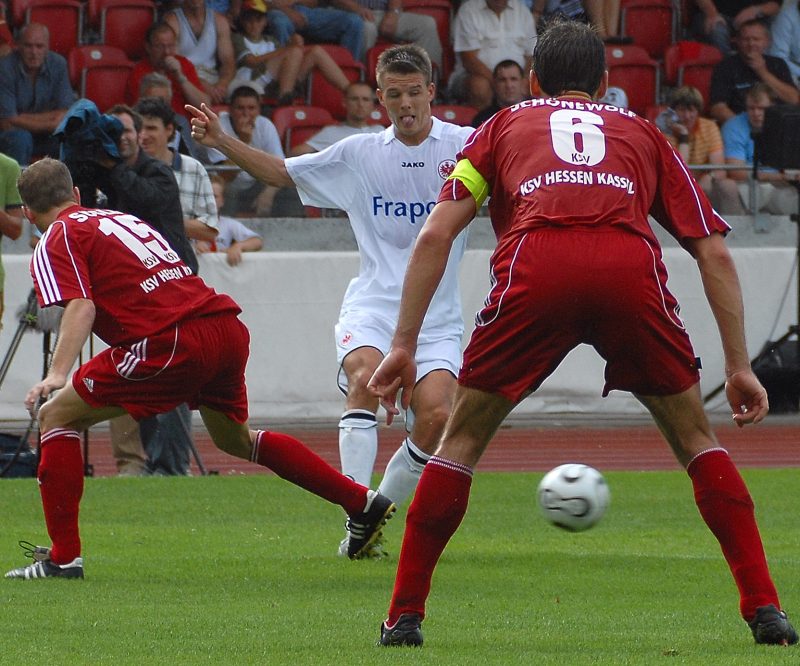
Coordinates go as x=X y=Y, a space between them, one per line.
x=355 y=332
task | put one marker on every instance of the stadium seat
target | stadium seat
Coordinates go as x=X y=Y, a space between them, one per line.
x=100 y=73
x=296 y=124
x=454 y=113
x=321 y=93
x=63 y=18
x=650 y=23
x=122 y=23
x=632 y=69
x=379 y=116
x=442 y=12
x=688 y=63
x=372 y=60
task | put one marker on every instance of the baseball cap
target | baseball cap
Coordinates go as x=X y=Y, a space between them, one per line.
x=255 y=6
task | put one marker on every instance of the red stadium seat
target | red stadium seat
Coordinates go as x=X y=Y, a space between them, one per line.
x=122 y=23
x=442 y=12
x=690 y=63
x=63 y=18
x=296 y=124
x=454 y=113
x=650 y=23
x=632 y=69
x=323 y=94
x=372 y=60
x=99 y=73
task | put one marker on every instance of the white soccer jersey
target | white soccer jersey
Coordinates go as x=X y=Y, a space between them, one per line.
x=388 y=189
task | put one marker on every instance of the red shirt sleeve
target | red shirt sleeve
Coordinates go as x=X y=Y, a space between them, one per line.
x=59 y=268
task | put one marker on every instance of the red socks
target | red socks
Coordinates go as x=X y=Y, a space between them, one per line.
x=292 y=460
x=726 y=506
x=61 y=487
x=437 y=510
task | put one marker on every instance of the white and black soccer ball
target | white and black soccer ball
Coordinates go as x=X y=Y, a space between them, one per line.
x=573 y=496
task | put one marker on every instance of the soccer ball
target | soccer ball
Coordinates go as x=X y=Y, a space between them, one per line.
x=573 y=496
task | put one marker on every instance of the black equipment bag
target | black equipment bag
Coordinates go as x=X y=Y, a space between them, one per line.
x=24 y=465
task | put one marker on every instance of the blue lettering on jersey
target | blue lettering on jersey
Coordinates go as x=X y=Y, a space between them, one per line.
x=412 y=165
x=414 y=211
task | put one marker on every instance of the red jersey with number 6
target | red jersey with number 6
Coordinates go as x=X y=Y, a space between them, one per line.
x=137 y=282
x=587 y=165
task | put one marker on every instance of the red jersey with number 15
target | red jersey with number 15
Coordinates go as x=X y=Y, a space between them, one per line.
x=574 y=163
x=137 y=282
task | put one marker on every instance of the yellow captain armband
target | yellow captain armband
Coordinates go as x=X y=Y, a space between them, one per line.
x=476 y=184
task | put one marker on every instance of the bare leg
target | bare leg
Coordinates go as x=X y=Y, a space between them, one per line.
x=316 y=56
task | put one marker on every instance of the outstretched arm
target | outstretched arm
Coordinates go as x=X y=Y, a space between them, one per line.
x=76 y=325
x=746 y=396
x=425 y=269
x=207 y=131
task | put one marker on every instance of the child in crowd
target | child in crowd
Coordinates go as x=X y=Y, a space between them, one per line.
x=279 y=70
x=233 y=237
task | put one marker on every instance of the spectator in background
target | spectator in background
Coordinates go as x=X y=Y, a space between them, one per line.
x=200 y=220
x=145 y=187
x=158 y=85
x=317 y=23
x=10 y=211
x=162 y=57
x=774 y=193
x=738 y=72
x=387 y=20
x=359 y=103
x=234 y=237
x=602 y=14
x=718 y=20
x=697 y=139
x=204 y=37
x=245 y=194
x=786 y=38
x=486 y=32
x=510 y=87
x=281 y=70
x=34 y=95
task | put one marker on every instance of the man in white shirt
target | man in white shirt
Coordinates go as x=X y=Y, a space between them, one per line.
x=484 y=33
x=388 y=183
x=359 y=104
x=245 y=122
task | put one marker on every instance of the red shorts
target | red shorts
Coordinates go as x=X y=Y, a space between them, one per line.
x=199 y=361
x=555 y=289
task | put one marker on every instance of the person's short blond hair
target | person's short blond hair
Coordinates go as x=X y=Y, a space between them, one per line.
x=687 y=96
x=45 y=184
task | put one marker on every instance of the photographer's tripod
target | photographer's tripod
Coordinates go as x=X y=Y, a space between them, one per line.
x=27 y=320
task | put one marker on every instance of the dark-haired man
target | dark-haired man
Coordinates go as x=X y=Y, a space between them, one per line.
x=510 y=87
x=387 y=183
x=577 y=262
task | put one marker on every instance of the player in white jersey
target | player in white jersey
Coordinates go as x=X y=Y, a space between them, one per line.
x=387 y=183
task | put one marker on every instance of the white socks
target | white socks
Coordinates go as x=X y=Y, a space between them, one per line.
x=358 y=445
x=403 y=471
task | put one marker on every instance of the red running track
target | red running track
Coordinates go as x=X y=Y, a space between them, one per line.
x=528 y=447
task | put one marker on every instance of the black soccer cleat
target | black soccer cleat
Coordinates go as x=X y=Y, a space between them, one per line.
x=771 y=627
x=365 y=527
x=405 y=632
x=43 y=567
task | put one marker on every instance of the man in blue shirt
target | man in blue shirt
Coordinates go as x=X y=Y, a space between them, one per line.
x=774 y=194
x=34 y=95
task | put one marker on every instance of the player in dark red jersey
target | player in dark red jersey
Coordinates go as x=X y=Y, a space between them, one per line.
x=571 y=184
x=171 y=338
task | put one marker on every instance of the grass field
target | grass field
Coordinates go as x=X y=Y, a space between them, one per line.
x=241 y=570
